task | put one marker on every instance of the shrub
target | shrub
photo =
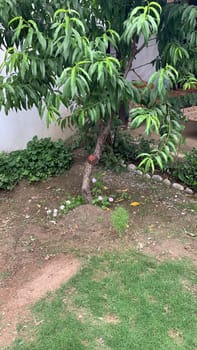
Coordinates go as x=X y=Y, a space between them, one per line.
x=182 y=101
x=46 y=158
x=12 y=166
x=41 y=159
x=187 y=169
x=129 y=148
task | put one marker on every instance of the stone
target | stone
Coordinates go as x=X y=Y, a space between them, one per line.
x=167 y=182
x=178 y=186
x=188 y=190
x=147 y=176
x=157 y=178
x=132 y=167
x=139 y=172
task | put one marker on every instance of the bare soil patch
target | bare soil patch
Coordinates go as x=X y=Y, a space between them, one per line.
x=23 y=293
x=173 y=249
x=36 y=254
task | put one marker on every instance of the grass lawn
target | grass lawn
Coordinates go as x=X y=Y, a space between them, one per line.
x=120 y=301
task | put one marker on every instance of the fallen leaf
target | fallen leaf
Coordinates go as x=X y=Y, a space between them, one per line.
x=125 y=190
x=134 y=204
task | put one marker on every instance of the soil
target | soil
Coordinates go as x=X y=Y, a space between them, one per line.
x=38 y=254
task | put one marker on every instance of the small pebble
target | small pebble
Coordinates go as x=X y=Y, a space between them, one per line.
x=178 y=186
x=167 y=182
x=157 y=178
x=147 y=176
x=189 y=190
x=131 y=167
x=139 y=172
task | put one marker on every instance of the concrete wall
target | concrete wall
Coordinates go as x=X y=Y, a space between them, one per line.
x=140 y=65
x=17 y=128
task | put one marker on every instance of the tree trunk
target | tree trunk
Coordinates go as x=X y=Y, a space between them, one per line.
x=93 y=159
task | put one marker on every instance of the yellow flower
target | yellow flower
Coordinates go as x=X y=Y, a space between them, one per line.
x=134 y=204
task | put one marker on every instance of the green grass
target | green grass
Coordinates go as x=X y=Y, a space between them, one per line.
x=120 y=302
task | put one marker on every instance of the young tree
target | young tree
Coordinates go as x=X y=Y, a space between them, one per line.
x=60 y=51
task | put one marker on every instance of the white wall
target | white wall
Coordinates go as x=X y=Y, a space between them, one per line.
x=17 y=128
x=145 y=56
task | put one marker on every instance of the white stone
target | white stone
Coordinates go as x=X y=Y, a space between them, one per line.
x=157 y=178
x=189 y=190
x=178 y=186
x=132 y=167
x=167 y=182
x=147 y=176
x=139 y=172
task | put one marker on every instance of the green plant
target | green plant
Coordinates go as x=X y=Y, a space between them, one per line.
x=59 y=53
x=71 y=203
x=186 y=100
x=46 y=158
x=188 y=82
x=112 y=161
x=186 y=170
x=41 y=159
x=120 y=218
x=177 y=39
x=128 y=148
x=164 y=120
x=99 y=193
x=5 y=275
x=12 y=166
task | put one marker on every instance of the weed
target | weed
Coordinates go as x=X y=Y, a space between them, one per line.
x=120 y=218
x=5 y=275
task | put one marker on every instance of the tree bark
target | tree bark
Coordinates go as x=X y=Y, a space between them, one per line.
x=94 y=159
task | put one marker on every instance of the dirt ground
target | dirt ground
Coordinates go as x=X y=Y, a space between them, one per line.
x=38 y=254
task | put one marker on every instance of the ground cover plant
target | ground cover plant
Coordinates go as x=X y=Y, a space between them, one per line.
x=41 y=159
x=186 y=170
x=119 y=301
x=60 y=52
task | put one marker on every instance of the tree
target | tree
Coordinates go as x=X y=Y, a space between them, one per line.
x=61 y=52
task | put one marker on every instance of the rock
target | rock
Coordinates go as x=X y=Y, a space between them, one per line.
x=147 y=176
x=167 y=182
x=157 y=178
x=139 y=172
x=140 y=245
x=188 y=190
x=178 y=186
x=132 y=167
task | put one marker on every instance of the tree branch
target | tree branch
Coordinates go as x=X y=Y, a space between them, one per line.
x=135 y=52
x=140 y=48
x=130 y=62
